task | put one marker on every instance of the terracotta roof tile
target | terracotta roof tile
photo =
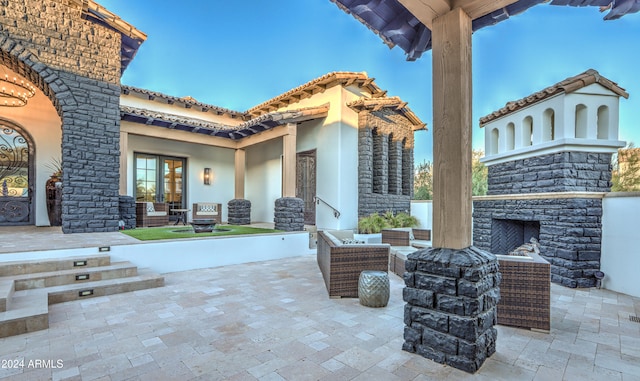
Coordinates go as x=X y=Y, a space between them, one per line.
x=567 y=86
x=315 y=86
x=375 y=104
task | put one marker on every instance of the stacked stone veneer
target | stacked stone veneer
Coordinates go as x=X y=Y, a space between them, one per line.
x=385 y=162
x=289 y=214
x=76 y=64
x=570 y=227
x=239 y=212
x=127 y=207
x=451 y=300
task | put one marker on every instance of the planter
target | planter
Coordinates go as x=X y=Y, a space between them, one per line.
x=54 y=200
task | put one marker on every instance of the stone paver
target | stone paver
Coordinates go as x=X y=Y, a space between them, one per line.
x=274 y=321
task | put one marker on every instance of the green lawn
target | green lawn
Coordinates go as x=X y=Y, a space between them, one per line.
x=179 y=231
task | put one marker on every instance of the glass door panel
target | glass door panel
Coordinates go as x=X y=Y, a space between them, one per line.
x=146 y=178
x=160 y=179
x=172 y=182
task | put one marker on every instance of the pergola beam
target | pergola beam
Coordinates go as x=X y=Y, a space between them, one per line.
x=428 y=10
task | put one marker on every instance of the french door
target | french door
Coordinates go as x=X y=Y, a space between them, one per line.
x=160 y=179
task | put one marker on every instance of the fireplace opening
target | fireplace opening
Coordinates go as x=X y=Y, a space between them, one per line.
x=506 y=235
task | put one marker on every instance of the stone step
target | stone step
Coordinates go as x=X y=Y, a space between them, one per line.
x=28 y=313
x=54 y=264
x=73 y=276
x=6 y=291
x=69 y=292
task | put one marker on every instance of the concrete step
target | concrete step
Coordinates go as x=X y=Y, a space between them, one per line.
x=6 y=292
x=69 y=292
x=53 y=264
x=73 y=276
x=28 y=313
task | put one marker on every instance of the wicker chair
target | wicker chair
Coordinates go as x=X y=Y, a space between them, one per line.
x=525 y=292
x=146 y=217
x=402 y=236
x=341 y=264
x=207 y=210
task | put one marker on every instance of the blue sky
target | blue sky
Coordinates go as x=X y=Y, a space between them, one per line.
x=236 y=54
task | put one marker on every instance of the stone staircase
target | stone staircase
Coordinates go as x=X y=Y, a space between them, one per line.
x=27 y=288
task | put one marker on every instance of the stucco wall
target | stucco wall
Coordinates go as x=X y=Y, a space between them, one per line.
x=620 y=259
x=42 y=122
x=220 y=160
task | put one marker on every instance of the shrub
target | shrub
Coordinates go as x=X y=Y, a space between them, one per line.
x=375 y=222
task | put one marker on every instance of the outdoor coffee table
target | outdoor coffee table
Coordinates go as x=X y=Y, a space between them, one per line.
x=202 y=225
x=182 y=215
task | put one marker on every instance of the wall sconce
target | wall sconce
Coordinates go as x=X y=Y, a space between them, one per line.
x=207 y=176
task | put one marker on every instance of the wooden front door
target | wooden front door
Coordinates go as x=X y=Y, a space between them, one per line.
x=306 y=184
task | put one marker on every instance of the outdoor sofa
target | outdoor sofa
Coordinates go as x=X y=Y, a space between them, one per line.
x=404 y=241
x=151 y=214
x=342 y=261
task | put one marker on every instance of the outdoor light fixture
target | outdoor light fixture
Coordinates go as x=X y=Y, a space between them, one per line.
x=15 y=91
x=207 y=176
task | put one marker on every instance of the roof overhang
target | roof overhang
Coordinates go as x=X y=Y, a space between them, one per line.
x=251 y=127
x=132 y=38
x=395 y=103
x=407 y=23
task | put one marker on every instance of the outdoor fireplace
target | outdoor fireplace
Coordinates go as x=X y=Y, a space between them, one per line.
x=506 y=235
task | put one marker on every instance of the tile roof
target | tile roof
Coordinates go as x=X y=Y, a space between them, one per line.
x=318 y=85
x=187 y=102
x=250 y=127
x=376 y=104
x=567 y=86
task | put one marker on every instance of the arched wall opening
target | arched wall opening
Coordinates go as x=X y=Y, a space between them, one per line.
x=581 y=121
x=527 y=131
x=603 y=122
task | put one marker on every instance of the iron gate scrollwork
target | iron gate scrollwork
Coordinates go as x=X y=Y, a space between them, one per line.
x=16 y=175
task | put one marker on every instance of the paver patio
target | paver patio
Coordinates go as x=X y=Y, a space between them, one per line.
x=273 y=321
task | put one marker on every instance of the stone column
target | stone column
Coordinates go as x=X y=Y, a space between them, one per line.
x=239 y=212
x=451 y=300
x=289 y=214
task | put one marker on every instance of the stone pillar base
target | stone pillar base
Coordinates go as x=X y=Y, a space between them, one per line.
x=127 y=207
x=289 y=214
x=239 y=212
x=451 y=300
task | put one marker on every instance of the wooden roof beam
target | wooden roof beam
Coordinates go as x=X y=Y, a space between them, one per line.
x=479 y=8
x=428 y=10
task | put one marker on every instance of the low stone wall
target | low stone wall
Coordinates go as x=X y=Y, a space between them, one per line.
x=289 y=214
x=239 y=212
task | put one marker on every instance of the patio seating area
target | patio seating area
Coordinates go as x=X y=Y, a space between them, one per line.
x=273 y=321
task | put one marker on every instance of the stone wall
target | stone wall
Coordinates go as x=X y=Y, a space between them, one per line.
x=385 y=162
x=76 y=63
x=558 y=172
x=570 y=233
